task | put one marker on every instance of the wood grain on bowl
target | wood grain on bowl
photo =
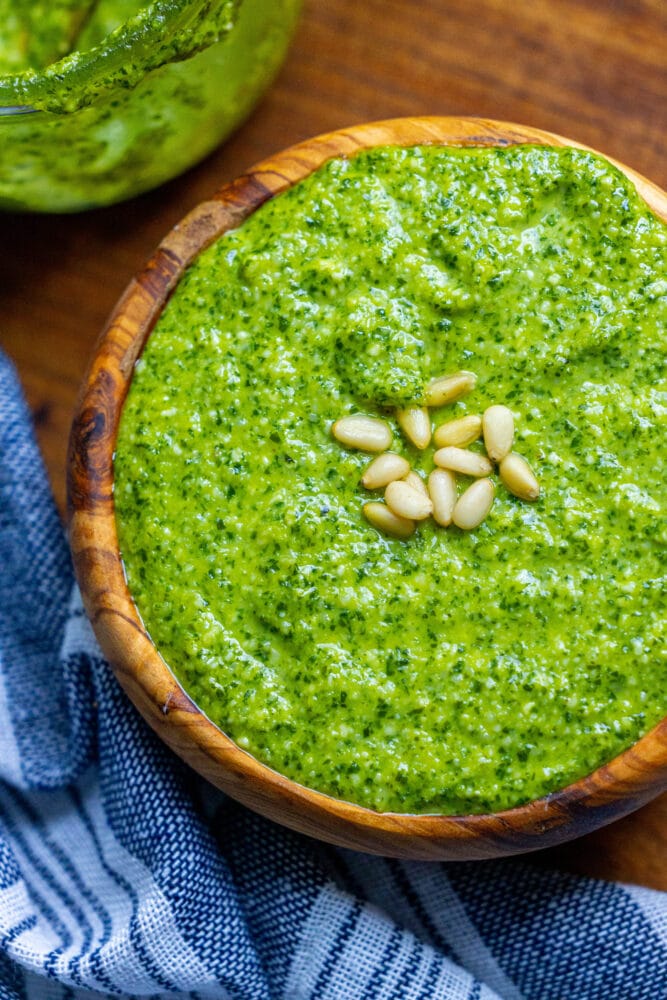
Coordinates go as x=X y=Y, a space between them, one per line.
x=612 y=791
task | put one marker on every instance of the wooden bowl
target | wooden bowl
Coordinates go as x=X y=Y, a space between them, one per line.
x=610 y=792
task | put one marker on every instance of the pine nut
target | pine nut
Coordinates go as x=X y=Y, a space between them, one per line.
x=518 y=477
x=469 y=463
x=448 y=388
x=384 y=469
x=498 y=424
x=461 y=432
x=414 y=480
x=473 y=505
x=363 y=433
x=406 y=502
x=442 y=490
x=379 y=515
x=416 y=425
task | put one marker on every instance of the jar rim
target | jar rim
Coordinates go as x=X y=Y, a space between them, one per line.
x=17 y=110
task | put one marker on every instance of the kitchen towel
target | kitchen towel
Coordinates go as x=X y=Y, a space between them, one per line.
x=123 y=874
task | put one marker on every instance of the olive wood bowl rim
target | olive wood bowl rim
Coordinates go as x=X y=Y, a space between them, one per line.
x=611 y=791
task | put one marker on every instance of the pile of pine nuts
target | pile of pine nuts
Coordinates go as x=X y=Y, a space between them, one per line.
x=407 y=498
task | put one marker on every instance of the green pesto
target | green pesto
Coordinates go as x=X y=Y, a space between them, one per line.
x=127 y=94
x=69 y=52
x=455 y=672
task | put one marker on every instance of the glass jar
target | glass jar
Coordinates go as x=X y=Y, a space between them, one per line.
x=122 y=124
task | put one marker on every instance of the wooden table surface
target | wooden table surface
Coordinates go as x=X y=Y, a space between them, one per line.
x=595 y=71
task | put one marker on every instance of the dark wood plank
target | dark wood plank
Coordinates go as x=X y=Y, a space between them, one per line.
x=594 y=70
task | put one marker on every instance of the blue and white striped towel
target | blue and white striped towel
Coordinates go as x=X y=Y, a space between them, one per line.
x=123 y=874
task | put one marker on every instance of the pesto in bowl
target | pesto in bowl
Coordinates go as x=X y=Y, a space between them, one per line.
x=455 y=672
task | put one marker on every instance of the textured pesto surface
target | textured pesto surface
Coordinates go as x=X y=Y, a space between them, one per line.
x=125 y=110
x=457 y=671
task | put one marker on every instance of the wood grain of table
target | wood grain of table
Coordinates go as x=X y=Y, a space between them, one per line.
x=595 y=71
